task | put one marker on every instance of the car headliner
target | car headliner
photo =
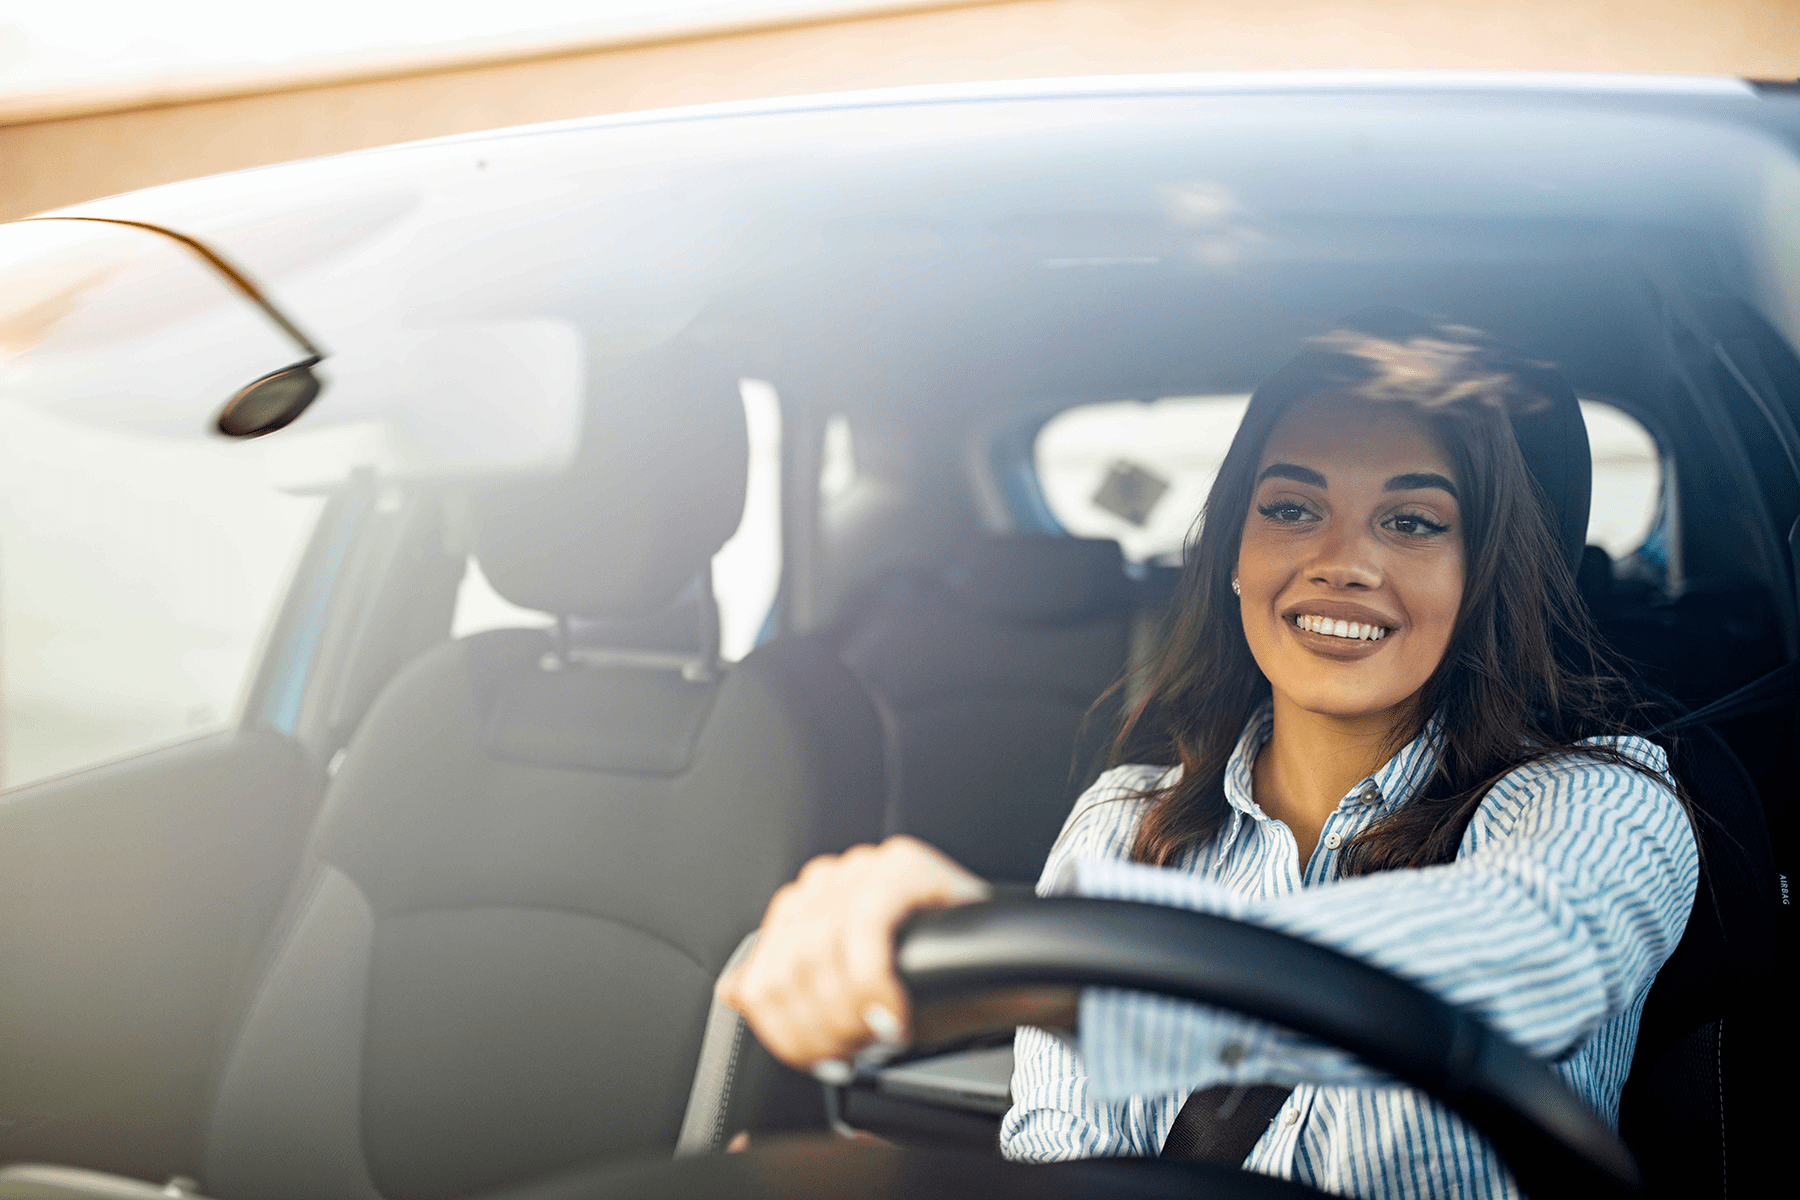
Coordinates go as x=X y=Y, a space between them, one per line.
x=1194 y=224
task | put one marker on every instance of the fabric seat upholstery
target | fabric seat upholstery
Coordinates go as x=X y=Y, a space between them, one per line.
x=985 y=674
x=534 y=860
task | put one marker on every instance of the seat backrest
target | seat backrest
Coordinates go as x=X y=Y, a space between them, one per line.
x=1709 y=1022
x=984 y=674
x=536 y=856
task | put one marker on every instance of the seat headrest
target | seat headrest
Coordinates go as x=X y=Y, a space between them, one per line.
x=656 y=487
x=1038 y=577
x=1554 y=442
x=1551 y=433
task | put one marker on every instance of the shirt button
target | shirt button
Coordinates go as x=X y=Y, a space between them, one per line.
x=1232 y=1053
x=1333 y=840
x=1293 y=1116
x=1369 y=793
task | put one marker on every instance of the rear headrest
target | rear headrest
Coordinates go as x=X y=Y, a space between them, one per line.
x=1554 y=442
x=1038 y=577
x=655 y=489
x=1551 y=434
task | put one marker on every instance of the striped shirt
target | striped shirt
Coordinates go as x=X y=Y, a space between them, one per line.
x=1570 y=889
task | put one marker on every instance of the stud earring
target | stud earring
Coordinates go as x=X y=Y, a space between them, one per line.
x=1237 y=589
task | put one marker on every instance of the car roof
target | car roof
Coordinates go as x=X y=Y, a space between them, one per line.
x=1421 y=83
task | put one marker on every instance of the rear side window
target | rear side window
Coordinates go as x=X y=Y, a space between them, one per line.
x=1628 y=479
x=1139 y=472
x=1136 y=472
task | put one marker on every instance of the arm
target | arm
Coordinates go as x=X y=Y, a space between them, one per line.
x=1572 y=888
x=1053 y=1117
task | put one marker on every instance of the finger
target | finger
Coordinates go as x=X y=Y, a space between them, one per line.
x=949 y=881
x=875 y=994
x=834 y=944
x=795 y=993
x=910 y=876
x=829 y=1000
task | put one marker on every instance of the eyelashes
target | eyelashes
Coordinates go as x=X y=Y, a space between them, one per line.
x=1424 y=525
x=1405 y=524
x=1284 y=512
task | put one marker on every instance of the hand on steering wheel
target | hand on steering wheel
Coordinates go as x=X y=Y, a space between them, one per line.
x=820 y=985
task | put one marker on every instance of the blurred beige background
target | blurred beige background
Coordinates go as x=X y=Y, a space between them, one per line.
x=66 y=149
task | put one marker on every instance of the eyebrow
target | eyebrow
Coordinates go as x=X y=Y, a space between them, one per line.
x=1304 y=475
x=1399 y=483
x=1420 y=479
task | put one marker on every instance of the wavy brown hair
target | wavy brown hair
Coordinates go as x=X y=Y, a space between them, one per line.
x=1524 y=676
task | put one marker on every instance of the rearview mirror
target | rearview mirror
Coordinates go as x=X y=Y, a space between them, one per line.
x=271 y=402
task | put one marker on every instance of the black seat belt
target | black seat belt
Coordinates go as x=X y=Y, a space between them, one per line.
x=1222 y=1124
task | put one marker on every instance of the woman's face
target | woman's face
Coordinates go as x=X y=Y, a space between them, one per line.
x=1351 y=567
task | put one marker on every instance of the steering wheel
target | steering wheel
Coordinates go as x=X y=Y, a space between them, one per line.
x=1553 y=1144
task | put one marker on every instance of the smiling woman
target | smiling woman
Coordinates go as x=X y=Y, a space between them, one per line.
x=1378 y=665
x=1350 y=576
x=1378 y=480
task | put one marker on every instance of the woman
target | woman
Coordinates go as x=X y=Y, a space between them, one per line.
x=1394 y=736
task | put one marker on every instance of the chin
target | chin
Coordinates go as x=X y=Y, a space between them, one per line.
x=1346 y=703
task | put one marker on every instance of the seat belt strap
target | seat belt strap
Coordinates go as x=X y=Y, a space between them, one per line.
x=709 y=1100
x=1222 y=1124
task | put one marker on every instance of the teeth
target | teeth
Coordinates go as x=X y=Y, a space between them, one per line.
x=1353 y=630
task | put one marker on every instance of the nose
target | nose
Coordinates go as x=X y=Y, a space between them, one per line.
x=1347 y=559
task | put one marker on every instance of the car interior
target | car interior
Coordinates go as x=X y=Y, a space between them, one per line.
x=443 y=914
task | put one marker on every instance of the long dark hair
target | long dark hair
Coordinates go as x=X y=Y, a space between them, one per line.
x=1525 y=675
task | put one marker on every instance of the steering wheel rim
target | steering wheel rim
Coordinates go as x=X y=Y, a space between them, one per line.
x=1550 y=1140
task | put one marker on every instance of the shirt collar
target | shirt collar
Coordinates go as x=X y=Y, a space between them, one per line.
x=1393 y=784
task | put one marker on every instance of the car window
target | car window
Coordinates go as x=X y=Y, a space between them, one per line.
x=139 y=574
x=1138 y=472
x=746 y=570
x=1628 y=479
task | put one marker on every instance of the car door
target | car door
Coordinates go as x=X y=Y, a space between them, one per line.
x=188 y=632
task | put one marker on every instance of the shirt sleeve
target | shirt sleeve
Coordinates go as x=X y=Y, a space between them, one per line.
x=1053 y=1117
x=1572 y=887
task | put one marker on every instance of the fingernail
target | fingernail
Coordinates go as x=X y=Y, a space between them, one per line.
x=833 y=1072
x=971 y=891
x=883 y=1024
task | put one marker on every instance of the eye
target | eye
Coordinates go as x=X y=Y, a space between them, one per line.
x=1414 y=525
x=1286 y=512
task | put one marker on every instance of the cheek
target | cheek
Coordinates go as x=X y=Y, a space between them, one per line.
x=1435 y=596
x=1260 y=556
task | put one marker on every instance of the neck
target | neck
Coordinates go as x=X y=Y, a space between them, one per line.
x=1312 y=760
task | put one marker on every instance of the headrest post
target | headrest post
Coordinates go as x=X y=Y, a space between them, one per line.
x=560 y=642
x=706 y=665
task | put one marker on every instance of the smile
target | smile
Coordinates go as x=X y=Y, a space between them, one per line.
x=1354 y=631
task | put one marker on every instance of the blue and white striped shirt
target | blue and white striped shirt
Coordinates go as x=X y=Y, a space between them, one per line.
x=1570 y=889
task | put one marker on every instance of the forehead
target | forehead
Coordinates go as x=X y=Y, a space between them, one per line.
x=1342 y=439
